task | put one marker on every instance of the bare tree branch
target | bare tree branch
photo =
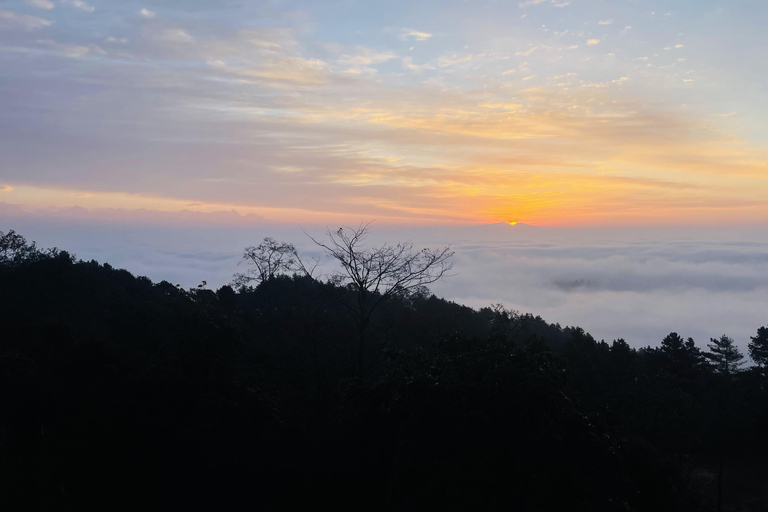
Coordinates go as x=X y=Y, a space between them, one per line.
x=376 y=274
x=269 y=259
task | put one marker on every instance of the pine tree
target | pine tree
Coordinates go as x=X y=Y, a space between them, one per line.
x=758 y=347
x=683 y=356
x=724 y=354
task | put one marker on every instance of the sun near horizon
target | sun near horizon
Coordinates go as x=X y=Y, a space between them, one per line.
x=567 y=113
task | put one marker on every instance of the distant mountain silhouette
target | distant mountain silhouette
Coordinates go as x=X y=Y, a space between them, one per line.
x=185 y=216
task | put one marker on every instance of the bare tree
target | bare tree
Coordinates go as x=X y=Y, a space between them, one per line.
x=269 y=258
x=376 y=274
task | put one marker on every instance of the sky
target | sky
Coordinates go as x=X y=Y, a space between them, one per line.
x=165 y=136
x=555 y=113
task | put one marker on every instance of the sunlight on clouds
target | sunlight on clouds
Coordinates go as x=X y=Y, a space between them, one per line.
x=286 y=69
x=529 y=117
x=408 y=64
x=451 y=60
x=409 y=33
x=625 y=144
x=528 y=52
x=135 y=208
x=47 y=198
x=505 y=106
x=366 y=57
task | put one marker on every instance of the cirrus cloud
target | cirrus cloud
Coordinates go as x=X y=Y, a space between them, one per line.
x=418 y=35
x=9 y=19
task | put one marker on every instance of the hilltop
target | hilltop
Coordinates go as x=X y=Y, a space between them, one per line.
x=122 y=392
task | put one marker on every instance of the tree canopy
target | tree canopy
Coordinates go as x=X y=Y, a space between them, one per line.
x=758 y=347
x=121 y=392
x=724 y=354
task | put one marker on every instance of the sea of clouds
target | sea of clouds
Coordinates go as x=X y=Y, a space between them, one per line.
x=637 y=284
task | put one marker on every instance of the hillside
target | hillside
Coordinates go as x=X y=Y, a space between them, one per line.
x=122 y=393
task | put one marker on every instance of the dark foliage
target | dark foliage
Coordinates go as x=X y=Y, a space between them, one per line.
x=120 y=393
x=758 y=347
x=724 y=354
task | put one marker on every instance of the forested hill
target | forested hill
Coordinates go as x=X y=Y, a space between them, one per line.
x=117 y=393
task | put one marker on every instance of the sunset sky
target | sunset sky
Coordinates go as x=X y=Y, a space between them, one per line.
x=549 y=112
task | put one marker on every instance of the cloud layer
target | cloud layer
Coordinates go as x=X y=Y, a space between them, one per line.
x=479 y=114
x=639 y=284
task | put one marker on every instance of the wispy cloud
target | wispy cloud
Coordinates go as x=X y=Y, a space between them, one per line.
x=418 y=35
x=12 y=20
x=70 y=50
x=556 y=3
x=452 y=60
x=409 y=64
x=529 y=51
x=312 y=112
x=288 y=69
x=176 y=35
x=79 y=4
x=366 y=57
x=468 y=129
x=40 y=4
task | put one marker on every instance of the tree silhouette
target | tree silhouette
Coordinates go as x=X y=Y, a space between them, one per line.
x=683 y=356
x=14 y=249
x=376 y=274
x=724 y=354
x=269 y=258
x=758 y=347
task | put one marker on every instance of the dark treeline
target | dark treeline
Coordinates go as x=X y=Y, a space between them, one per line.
x=120 y=393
